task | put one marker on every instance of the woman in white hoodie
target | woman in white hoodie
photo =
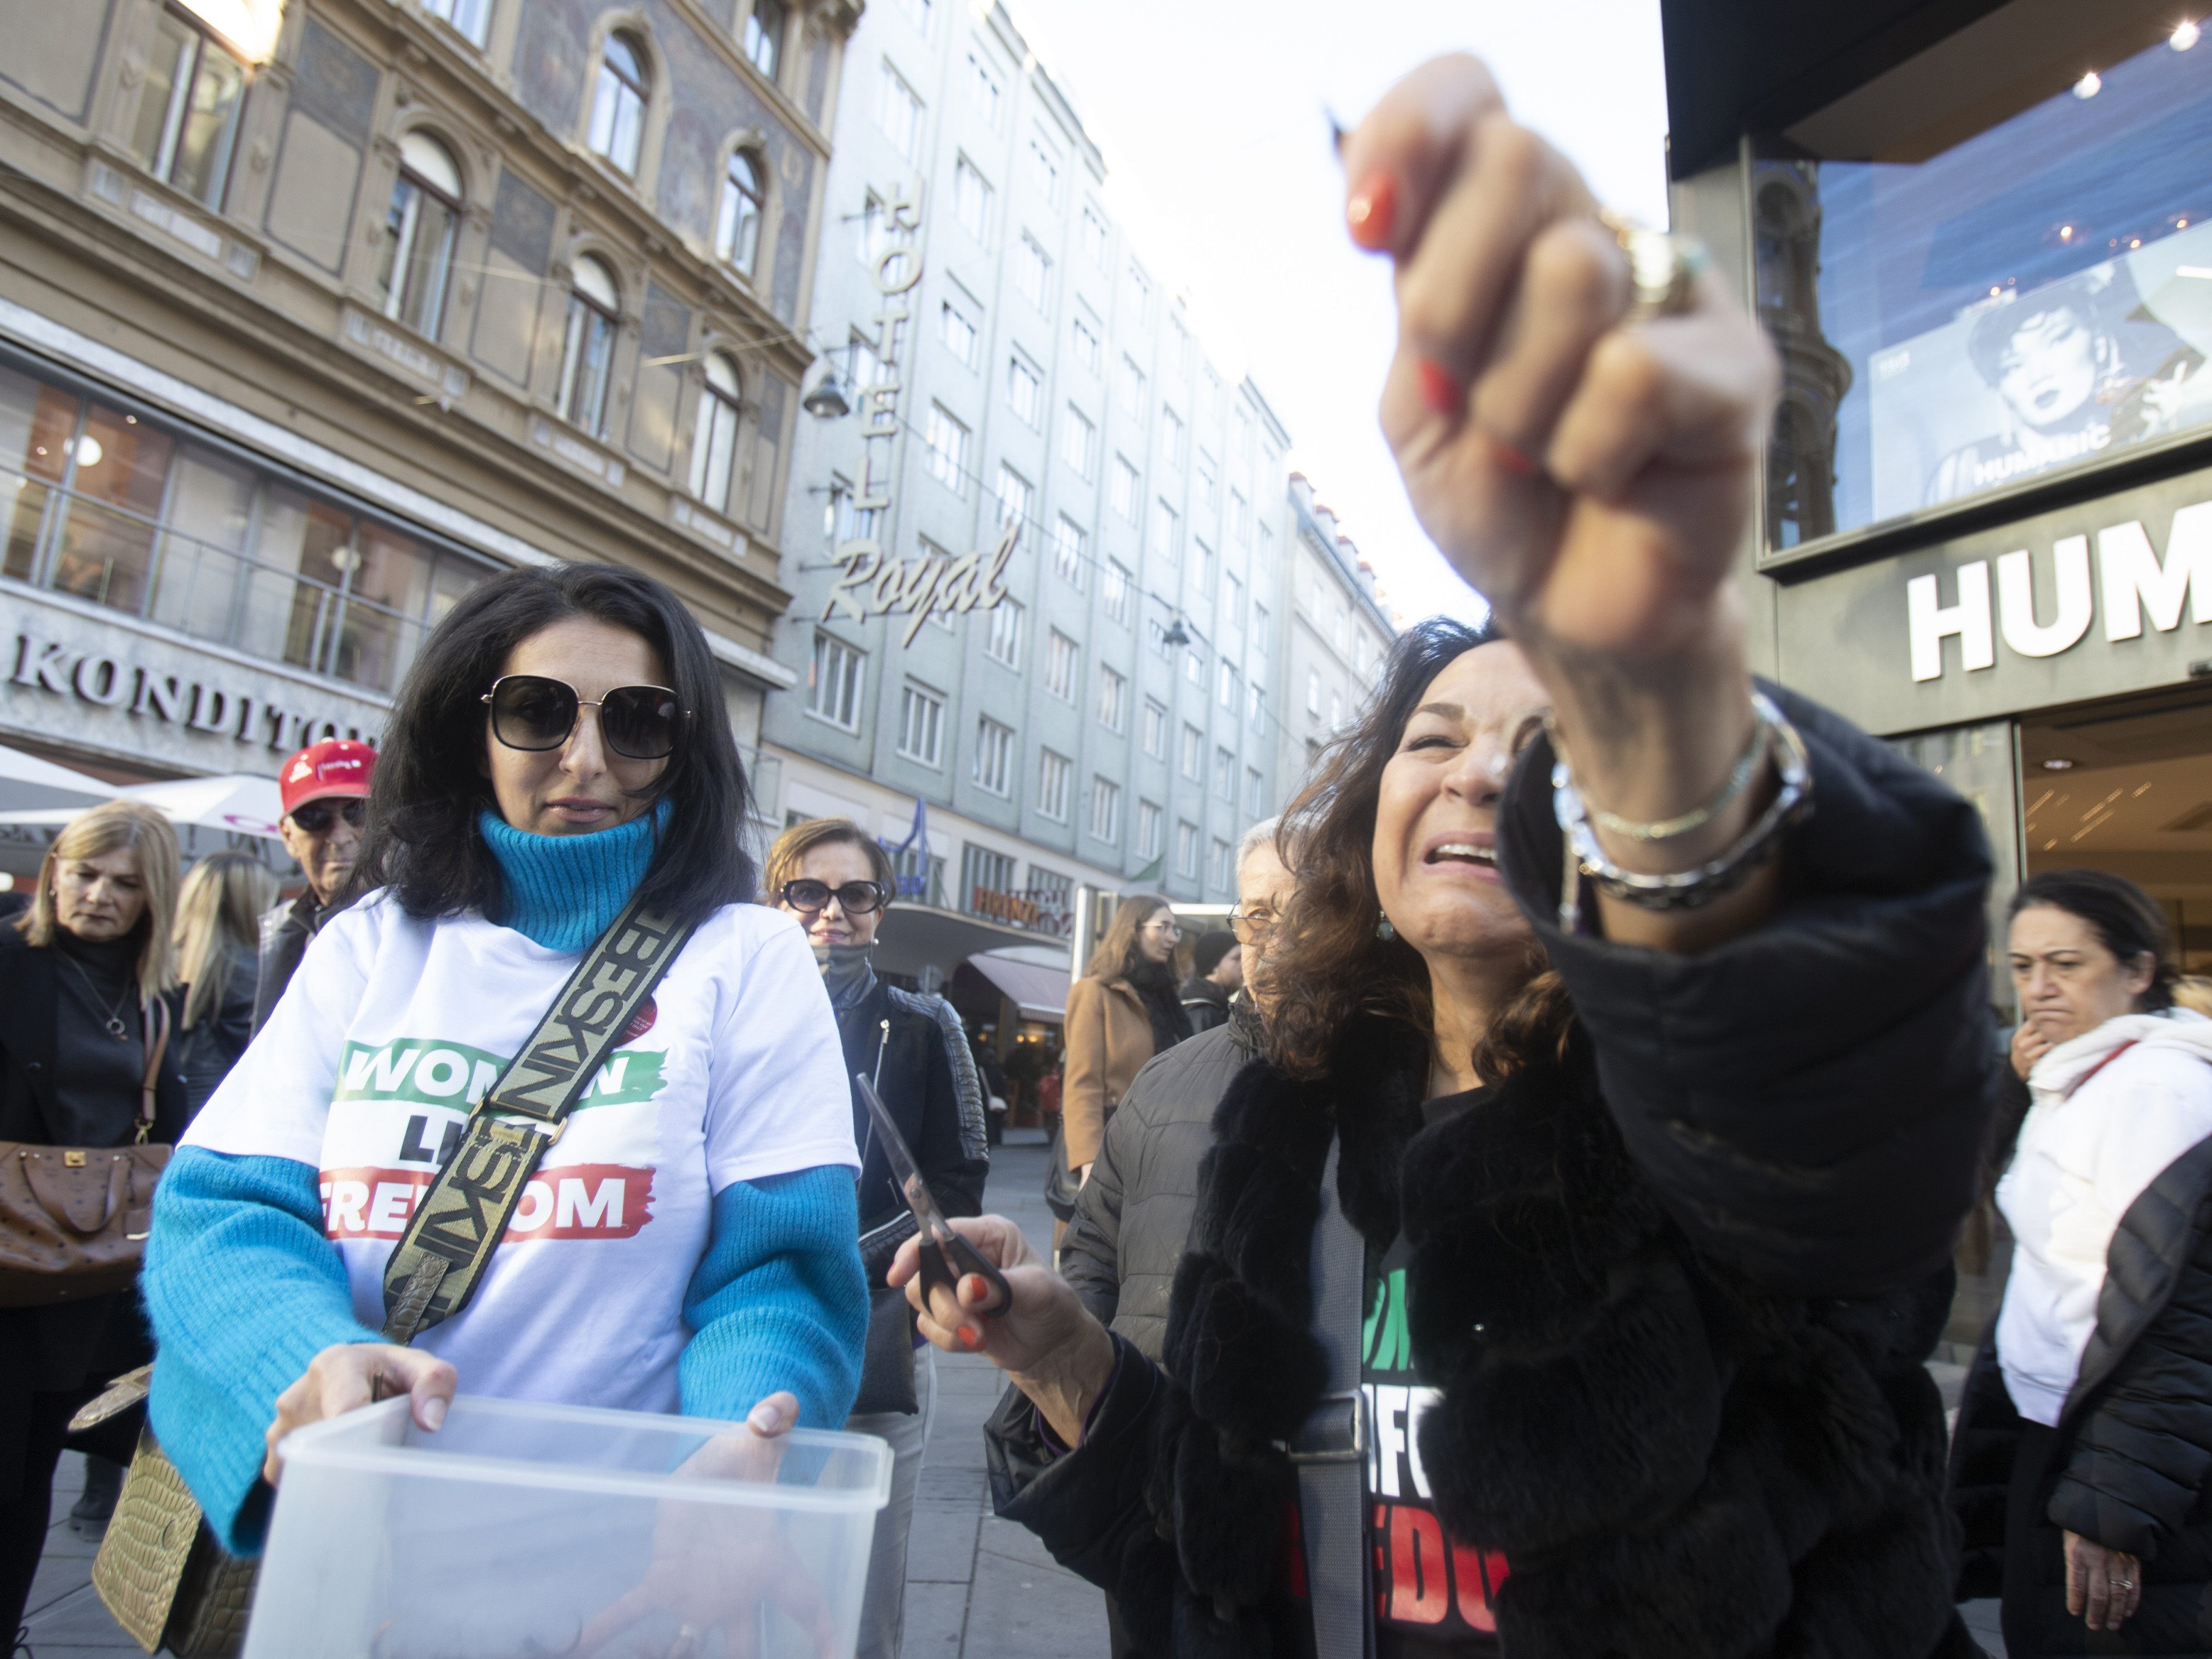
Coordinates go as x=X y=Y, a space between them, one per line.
x=2100 y=1436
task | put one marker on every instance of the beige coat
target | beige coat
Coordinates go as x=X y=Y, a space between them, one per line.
x=1109 y=1037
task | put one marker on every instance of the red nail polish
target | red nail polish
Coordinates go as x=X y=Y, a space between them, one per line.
x=1511 y=460
x=1372 y=211
x=969 y=1337
x=1441 y=390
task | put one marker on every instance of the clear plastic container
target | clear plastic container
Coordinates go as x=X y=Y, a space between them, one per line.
x=520 y=1531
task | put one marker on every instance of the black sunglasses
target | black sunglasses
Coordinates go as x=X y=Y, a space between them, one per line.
x=855 y=898
x=534 y=714
x=316 y=816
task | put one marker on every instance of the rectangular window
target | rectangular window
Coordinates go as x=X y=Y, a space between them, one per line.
x=971 y=199
x=957 y=333
x=917 y=12
x=1224 y=876
x=1156 y=728
x=1313 y=692
x=1192 y=670
x=1209 y=482
x=188 y=113
x=1232 y=601
x=1202 y=568
x=1122 y=491
x=1004 y=643
x=1130 y=388
x=1060 y=665
x=1164 y=524
x=1086 y=346
x=1240 y=519
x=1255 y=793
x=921 y=725
x=1336 y=711
x=871 y=231
x=983 y=90
x=1032 y=272
x=1187 y=850
x=471 y=17
x=1052 y=786
x=1112 y=698
x=1193 y=753
x=1094 y=237
x=898 y=111
x=1044 y=167
x=1225 y=773
x=1157 y=631
x=863 y=368
x=1256 y=696
x=1078 y=441
x=1024 y=392
x=1105 y=810
x=1170 y=437
x=947 y=441
x=1067 y=545
x=983 y=872
x=1148 y=829
x=1267 y=546
x=833 y=683
x=1014 y=495
x=1140 y=290
x=1178 y=351
x=995 y=756
x=1224 y=684
x=1117 y=591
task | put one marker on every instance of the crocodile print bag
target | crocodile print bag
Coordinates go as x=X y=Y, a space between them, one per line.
x=159 y=1570
x=74 y=1219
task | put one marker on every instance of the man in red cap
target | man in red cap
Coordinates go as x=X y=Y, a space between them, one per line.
x=326 y=789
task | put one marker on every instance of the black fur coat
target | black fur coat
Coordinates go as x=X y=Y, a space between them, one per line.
x=1676 y=1287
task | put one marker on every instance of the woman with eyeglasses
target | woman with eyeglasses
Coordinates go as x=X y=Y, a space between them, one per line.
x=561 y=746
x=1123 y=1011
x=838 y=881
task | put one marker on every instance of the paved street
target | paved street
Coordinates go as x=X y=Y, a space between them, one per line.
x=977 y=1588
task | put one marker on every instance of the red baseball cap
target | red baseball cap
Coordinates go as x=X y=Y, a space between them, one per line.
x=336 y=766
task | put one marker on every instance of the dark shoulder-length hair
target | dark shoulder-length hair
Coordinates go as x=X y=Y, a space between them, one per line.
x=1329 y=965
x=2126 y=920
x=429 y=786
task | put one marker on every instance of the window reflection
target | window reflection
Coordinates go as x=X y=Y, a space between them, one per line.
x=2037 y=296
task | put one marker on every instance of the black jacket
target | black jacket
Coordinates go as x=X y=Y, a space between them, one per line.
x=206 y=1053
x=74 y=1344
x=2131 y=1467
x=1676 y=1286
x=1133 y=1215
x=921 y=1065
x=1204 y=1004
x=285 y=932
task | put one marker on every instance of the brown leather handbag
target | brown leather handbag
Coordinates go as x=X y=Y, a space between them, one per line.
x=74 y=1219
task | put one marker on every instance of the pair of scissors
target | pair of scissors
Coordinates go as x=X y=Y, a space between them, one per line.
x=946 y=1257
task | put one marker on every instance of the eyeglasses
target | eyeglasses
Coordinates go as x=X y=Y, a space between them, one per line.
x=1250 y=927
x=316 y=816
x=854 y=898
x=534 y=714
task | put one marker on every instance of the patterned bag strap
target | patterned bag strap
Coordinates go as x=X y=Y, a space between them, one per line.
x=442 y=1256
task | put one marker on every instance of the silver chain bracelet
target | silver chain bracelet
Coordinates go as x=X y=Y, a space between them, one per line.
x=1685 y=889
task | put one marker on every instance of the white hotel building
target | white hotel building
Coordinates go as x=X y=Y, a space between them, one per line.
x=1044 y=379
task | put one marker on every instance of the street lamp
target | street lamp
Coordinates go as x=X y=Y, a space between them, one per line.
x=1176 y=637
x=827 y=402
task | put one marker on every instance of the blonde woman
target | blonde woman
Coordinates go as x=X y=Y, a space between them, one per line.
x=1122 y=1011
x=218 y=936
x=80 y=973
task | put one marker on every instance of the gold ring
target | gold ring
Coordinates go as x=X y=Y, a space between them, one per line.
x=1663 y=269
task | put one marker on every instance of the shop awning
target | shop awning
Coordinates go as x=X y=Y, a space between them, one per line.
x=1036 y=987
x=918 y=936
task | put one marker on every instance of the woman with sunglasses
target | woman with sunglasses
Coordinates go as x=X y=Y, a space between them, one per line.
x=837 y=881
x=1123 y=1011
x=561 y=744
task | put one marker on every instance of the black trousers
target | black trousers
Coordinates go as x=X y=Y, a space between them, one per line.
x=25 y=1511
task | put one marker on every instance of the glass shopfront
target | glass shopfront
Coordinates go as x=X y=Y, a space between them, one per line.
x=105 y=504
x=2009 y=286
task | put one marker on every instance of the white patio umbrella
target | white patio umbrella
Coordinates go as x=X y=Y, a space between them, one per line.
x=209 y=813
x=27 y=781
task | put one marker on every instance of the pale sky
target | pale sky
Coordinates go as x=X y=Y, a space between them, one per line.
x=1210 y=114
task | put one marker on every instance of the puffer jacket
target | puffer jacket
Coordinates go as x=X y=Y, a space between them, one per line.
x=1675 y=1287
x=2132 y=1465
x=1132 y=1216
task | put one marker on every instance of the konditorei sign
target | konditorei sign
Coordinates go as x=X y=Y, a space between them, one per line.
x=870 y=583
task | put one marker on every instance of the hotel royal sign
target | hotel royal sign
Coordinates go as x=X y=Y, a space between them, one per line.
x=869 y=584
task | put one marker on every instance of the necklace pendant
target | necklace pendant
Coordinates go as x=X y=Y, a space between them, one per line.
x=117 y=1030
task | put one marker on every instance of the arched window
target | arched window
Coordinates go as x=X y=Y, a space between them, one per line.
x=737 y=236
x=714 y=440
x=418 y=233
x=587 y=347
x=764 y=35
x=618 y=102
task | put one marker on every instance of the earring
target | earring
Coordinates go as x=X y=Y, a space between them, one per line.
x=1384 y=928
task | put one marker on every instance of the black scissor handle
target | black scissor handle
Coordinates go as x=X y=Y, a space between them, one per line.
x=966 y=1259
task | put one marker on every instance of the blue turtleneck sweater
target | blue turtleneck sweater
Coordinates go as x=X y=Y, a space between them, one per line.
x=561 y=891
x=244 y=1289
